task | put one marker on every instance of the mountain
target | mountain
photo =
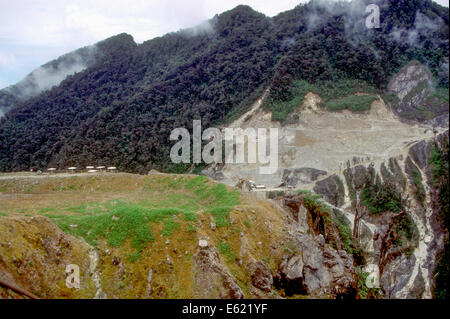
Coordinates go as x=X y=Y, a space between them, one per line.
x=47 y=76
x=356 y=208
x=121 y=109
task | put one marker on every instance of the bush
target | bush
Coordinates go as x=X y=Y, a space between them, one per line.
x=381 y=198
x=354 y=103
x=336 y=96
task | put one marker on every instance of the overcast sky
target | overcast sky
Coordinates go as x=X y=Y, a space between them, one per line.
x=33 y=32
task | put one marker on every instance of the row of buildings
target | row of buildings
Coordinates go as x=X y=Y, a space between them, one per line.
x=88 y=169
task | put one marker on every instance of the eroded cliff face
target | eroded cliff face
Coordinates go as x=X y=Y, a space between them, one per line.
x=398 y=225
x=378 y=216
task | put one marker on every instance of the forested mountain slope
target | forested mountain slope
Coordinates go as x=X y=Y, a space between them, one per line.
x=121 y=109
x=47 y=76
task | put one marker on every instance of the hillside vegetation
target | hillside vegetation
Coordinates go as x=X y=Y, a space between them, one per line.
x=121 y=109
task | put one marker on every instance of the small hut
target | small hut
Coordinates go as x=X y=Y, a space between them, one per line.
x=111 y=169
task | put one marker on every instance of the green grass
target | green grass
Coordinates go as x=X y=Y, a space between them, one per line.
x=134 y=257
x=29 y=189
x=91 y=208
x=124 y=221
x=4 y=214
x=169 y=226
x=354 y=103
x=173 y=201
x=191 y=228
x=227 y=251
x=45 y=210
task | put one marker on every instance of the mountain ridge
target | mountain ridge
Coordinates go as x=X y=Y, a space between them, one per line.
x=106 y=112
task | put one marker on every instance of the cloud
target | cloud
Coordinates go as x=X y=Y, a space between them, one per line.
x=422 y=26
x=49 y=75
x=205 y=27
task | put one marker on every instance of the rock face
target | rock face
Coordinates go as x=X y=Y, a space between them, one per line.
x=261 y=277
x=301 y=247
x=213 y=171
x=316 y=269
x=402 y=243
x=304 y=175
x=396 y=275
x=333 y=190
x=410 y=95
x=212 y=279
x=321 y=141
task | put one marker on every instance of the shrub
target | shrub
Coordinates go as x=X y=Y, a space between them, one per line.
x=380 y=198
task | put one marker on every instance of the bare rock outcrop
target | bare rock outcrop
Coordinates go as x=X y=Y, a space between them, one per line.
x=333 y=190
x=410 y=95
x=212 y=279
x=304 y=175
x=261 y=277
x=316 y=269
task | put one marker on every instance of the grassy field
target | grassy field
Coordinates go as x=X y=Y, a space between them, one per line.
x=169 y=200
x=174 y=202
x=146 y=221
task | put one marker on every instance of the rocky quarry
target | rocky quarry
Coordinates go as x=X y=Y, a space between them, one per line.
x=375 y=172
